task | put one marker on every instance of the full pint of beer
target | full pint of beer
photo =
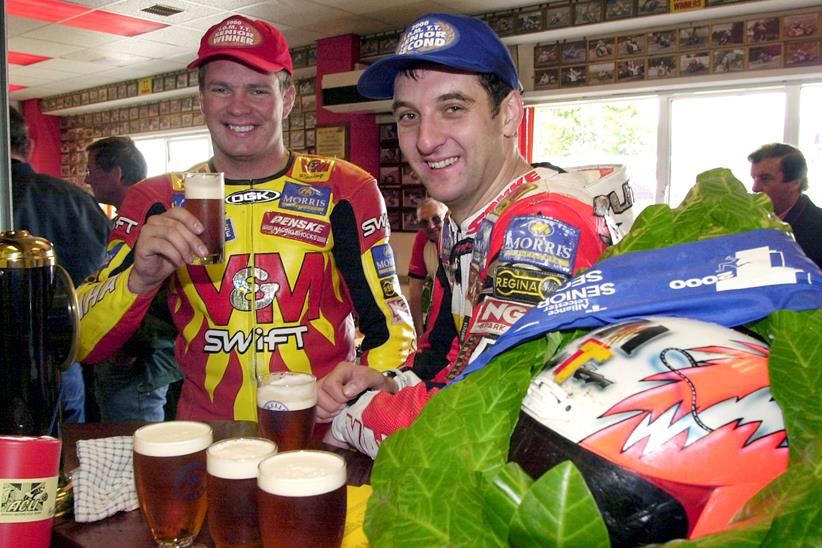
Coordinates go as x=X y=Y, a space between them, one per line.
x=302 y=499
x=204 y=199
x=170 y=474
x=286 y=405
x=232 y=490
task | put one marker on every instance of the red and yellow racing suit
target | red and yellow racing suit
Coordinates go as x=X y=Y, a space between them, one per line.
x=306 y=252
x=494 y=267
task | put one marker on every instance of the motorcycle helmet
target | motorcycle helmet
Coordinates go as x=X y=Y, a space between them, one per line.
x=670 y=421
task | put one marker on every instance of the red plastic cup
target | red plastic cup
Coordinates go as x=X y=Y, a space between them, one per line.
x=29 y=468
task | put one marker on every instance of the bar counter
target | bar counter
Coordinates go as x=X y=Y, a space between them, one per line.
x=128 y=529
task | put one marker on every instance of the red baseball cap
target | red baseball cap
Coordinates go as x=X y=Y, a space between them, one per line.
x=252 y=42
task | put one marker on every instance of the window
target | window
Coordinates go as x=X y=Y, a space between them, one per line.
x=174 y=152
x=602 y=132
x=668 y=138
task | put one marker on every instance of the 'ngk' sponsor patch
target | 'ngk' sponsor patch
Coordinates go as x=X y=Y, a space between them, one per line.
x=497 y=316
x=295 y=227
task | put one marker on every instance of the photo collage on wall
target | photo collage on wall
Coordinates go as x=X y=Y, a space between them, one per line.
x=400 y=186
x=710 y=47
x=299 y=129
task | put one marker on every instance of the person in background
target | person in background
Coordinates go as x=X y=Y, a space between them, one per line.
x=306 y=247
x=133 y=384
x=514 y=233
x=780 y=171
x=424 y=259
x=72 y=220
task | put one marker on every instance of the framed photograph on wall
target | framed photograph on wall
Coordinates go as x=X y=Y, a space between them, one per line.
x=651 y=7
x=503 y=25
x=412 y=196
x=800 y=26
x=765 y=29
x=409 y=176
x=389 y=176
x=802 y=53
x=631 y=69
x=664 y=66
x=765 y=57
x=409 y=220
x=332 y=140
x=556 y=17
x=389 y=154
x=727 y=34
x=693 y=38
x=388 y=132
x=395 y=219
x=618 y=9
x=573 y=76
x=529 y=21
x=574 y=52
x=601 y=73
x=391 y=196
x=728 y=60
x=546 y=55
x=546 y=79
x=661 y=41
x=601 y=48
x=633 y=44
x=586 y=13
x=694 y=63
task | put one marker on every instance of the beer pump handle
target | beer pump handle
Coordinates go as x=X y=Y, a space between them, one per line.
x=72 y=311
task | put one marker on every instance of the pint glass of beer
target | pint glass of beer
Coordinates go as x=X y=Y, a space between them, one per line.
x=232 y=490
x=170 y=474
x=204 y=199
x=302 y=499
x=286 y=405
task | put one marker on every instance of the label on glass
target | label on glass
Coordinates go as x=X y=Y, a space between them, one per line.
x=27 y=499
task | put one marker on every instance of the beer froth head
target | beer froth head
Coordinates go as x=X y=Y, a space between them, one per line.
x=455 y=41
x=302 y=473
x=249 y=41
x=287 y=391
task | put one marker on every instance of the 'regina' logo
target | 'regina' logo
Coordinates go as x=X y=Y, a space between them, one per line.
x=251 y=197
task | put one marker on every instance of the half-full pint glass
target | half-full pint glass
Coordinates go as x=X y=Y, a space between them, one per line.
x=232 y=490
x=286 y=405
x=170 y=474
x=302 y=499
x=204 y=199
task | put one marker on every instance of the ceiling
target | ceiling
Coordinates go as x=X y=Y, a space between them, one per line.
x=57 y=46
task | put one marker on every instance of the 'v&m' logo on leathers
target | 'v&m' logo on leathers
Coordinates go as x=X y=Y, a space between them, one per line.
x=313 y=170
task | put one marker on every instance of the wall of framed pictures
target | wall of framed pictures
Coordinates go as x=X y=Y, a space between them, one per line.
x=723 y=46
x=400 y=186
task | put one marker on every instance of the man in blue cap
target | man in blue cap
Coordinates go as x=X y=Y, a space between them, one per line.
x=514 y=234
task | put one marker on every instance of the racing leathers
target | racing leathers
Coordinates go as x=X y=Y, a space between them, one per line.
x=306 y=252
x=494 y=266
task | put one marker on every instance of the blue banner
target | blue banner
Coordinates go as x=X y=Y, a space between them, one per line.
x=729 y=280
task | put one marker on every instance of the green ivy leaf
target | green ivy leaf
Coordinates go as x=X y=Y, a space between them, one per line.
x=559 y=510
x=506 y=487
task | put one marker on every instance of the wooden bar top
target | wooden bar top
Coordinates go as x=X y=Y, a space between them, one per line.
x=128 y=529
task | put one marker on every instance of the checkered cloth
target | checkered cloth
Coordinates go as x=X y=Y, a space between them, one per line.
x=104 y=481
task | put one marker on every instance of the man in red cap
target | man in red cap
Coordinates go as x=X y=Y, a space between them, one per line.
x=306 y=249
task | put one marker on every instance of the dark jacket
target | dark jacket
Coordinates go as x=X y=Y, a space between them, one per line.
x=805 y=219
x=64 y=214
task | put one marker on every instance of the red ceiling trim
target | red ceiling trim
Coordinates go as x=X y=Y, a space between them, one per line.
x=122 y=25
x=24 y=59
x=54 y=11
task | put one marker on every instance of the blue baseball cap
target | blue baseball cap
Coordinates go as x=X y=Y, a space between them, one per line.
x=455 y=41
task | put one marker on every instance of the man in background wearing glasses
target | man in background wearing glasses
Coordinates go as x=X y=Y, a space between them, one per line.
x=423 y=264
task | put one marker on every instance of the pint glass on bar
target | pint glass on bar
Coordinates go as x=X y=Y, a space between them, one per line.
x=286 y=405
x=232 y=490
x=302 y=499
x=204 y=199
x=170 y=474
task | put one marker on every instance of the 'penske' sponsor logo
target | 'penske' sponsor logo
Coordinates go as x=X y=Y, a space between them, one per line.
x=296 y=227
x=221 y=340
x=251 y=196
